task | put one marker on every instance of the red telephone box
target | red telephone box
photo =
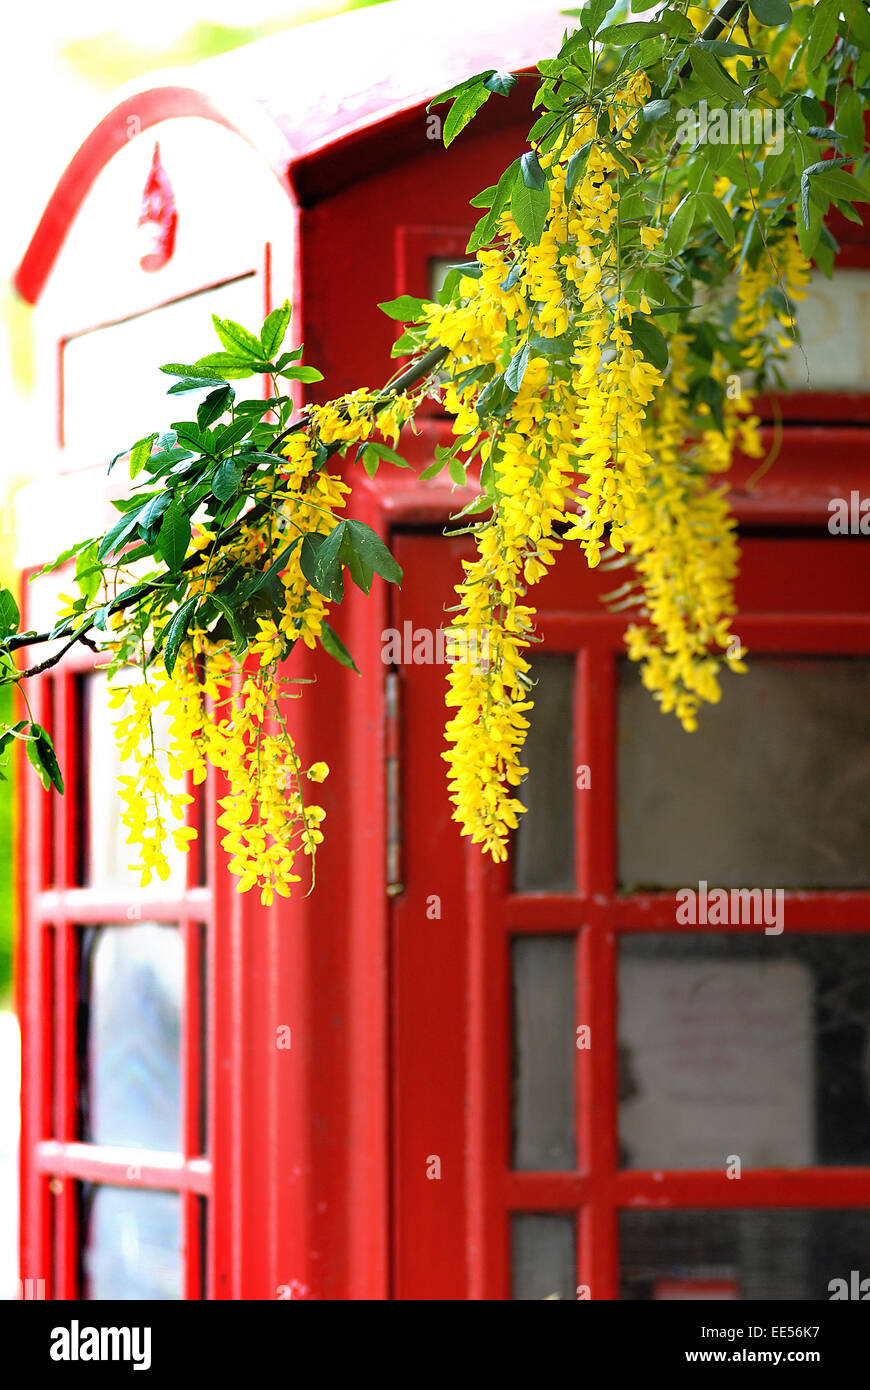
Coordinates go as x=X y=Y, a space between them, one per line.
x=433 y=1079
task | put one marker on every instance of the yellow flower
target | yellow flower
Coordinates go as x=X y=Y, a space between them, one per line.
x=650 y=237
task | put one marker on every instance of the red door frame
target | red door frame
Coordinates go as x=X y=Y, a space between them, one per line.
x=450 y=1031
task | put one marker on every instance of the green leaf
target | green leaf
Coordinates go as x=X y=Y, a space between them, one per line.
x=622 y=34
x=712 y=75
x=516 y=369
x=274 y=330
x=562 y=346
x=533 y=175
x=486 y=227
x=198 y=372
x=305 y=374
x=680 y=224
x=9 y=615
x=594 y=13
x=407 y=308
x=117 y=534
x=771 y=12
x=175 y=631
x=188 y=384
x=332 y=643
x=214 y=406
x=226 y=480
x=464 y=108
x=320 y=562
x=140 y=454
x=576 y=166
x=173 y=537
x=825 y=133
x=676 y=25
x=287 y=357
x=719 y=216
x=40 y=751
x=850 y=119
x=226 y=366
x=500 y=82
x=839 y=183
x=529 y=209
x=192 y=436
x=237 y=340
x=457 y=472
x=809 y=224
x=724 y=48
x=373 y=552
x=823 y=30
x=361 y=573
x=656 y=110
x=857 y=21
x=464 y=86
x=649 y=341
x=240 y=642
x=64 y=556
x=228 y=436
x=383 y=451
x=88 y=572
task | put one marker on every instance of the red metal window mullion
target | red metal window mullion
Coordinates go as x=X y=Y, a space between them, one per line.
x=66 y=990
x=804 y=911
x=191 y=1243
x=597 y=1066
x=760 y=1187
x=489 y=1085
x=225 y=1075
x=35 y=1003
x=191 y=1084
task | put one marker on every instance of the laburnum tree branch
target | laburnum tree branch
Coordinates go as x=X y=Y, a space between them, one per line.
x=424 y=367
x=726 y=12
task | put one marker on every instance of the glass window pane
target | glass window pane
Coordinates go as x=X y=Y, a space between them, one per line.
x=543 y=1052
x=543 y=1256
x=544 y=842
x=132 y=985
x=765 y=1255
x=131 y=1245
x=107 y=855
x=746 y=1047
x=772 y=789
x=831 y=324
x=439 y=267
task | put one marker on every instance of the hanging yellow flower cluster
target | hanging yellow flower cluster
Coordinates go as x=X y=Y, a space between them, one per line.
x=601 y=436
x=227 y=713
